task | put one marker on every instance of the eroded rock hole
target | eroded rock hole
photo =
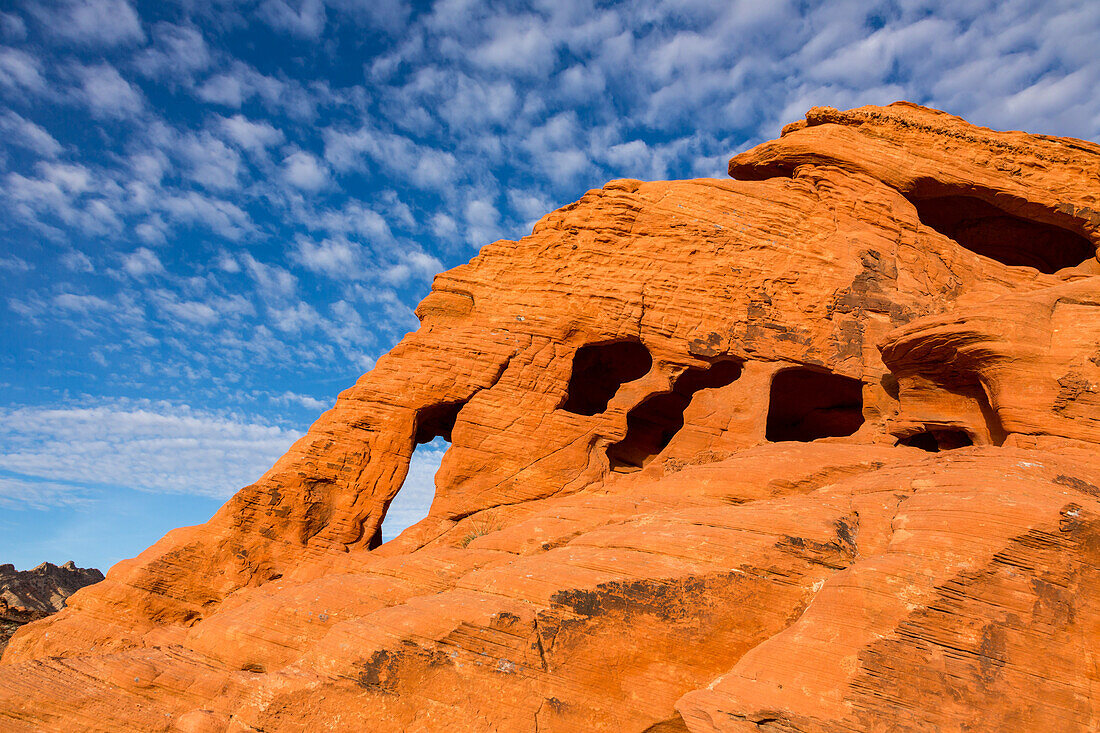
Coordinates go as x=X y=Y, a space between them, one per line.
x=437 y=421
x=935 y=441
x=992 y=232
x=651 y=425
x=806 y=405
x=413 y=500
x=598 y=372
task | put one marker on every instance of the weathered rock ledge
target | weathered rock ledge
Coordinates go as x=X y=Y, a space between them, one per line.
x=811 y=449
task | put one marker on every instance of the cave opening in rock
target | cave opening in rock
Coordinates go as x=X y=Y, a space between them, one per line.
x=598 y=372
x=938 y=439
x=413 y=500
x=806 y=405
x=992 y=232
x=651 y=425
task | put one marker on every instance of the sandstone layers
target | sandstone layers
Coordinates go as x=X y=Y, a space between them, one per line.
x=811 y=449
x=29 y=595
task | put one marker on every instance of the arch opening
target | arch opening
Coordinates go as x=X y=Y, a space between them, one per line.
x=806 y=405
x=992 y=232
x=651 y=425
x=598 y=372
x=431 y=439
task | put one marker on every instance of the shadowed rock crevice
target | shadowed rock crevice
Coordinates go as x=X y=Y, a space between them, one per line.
x=990 y=231
x=437 y=421
x=651 y=425
x=806 y=405
x=598 y=372
x=935 y=441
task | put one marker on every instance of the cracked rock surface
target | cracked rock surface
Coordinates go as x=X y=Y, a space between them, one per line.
x=814 y=448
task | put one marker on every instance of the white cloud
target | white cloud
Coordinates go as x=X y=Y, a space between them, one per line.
x=307 y=20
x=423 y=165
x=141 y=262
x=153 y=230
x=473 y=103
x=23 y=132
x=529 y=205
x=92 y=22
x=20 y=71
x=210 y=162
x=241 y=83
x=224 y=89
x=77 y=261
x=482 y=222
x=338 y=258
x=149 y=167
x=73 y=179
x=389 y=15
x=202 y=313
x=310 y=403
x=12 y=27
x=434 y=168
x=295 y=318
x=518 y=44
x=355 y=218
x=227 y=263
x=223 y=217
x=151 y=446
x=444 y=226
x=20 y=493
x=81 y=303
x=580 y=83
x=107 y=94
x=304 y=171
x=250 y=135
x=177 y=51
x=272 y=281
x=412 y=264
x=15 y=264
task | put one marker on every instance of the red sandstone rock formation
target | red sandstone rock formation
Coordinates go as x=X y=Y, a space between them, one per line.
x=814 y=449
x=29 y=595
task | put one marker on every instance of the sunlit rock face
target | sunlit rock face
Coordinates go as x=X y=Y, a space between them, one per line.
x=814 y=448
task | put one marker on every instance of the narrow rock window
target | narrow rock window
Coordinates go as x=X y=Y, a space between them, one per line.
x=807 y=405
x=992 y=232
x=936 y=440
x=413 y=500
x=651 y=425
x=598 y=372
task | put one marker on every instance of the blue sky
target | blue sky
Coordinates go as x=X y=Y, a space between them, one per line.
x=218 y=214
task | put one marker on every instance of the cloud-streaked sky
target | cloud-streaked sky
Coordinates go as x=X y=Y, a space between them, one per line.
x=217 y=214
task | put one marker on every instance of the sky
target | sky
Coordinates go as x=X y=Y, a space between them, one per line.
x=216 y=215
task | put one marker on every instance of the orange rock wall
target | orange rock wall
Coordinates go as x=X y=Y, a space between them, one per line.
x=666 y=563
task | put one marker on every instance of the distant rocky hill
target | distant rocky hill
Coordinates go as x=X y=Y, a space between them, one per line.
x=28 y=595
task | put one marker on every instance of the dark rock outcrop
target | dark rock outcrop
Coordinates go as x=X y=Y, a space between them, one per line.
x=28 y=595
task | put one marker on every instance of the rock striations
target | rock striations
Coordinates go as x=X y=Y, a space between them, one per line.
x=29 y=595
x=815 y=448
